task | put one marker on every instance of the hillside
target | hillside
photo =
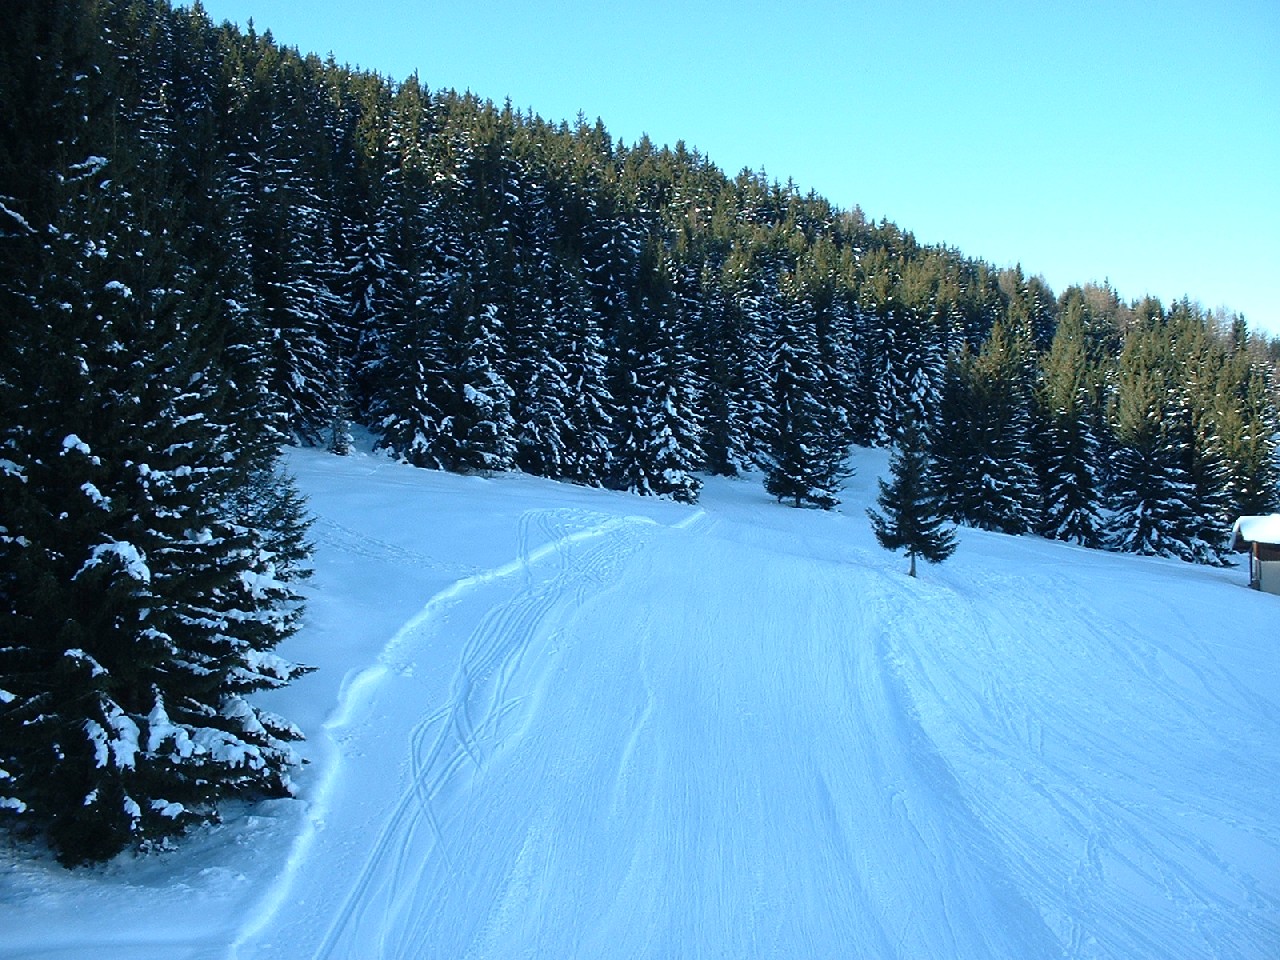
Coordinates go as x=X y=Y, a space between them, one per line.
x=558 y=722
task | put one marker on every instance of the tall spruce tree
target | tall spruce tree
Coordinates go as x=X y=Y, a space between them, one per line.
x=903 y=361
x=983 y=442
x=285 y=225
x=806 y=452
x=656 y=426
x=1247 y=430
x=575 y=342
x=1167 y=486
x=1066 y=446
x=145 y=571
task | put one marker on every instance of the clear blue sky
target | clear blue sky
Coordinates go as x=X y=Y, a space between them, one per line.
x=1134 y=140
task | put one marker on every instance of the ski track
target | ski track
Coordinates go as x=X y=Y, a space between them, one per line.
x=450 y=737
x=1104 y=824
x=857 y=775
x=455 y=871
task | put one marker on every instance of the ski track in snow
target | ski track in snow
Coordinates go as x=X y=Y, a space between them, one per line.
x=457 y=734
x=1074 y=846
x=857 y=773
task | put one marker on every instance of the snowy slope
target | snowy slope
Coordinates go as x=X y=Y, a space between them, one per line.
x=555 y=722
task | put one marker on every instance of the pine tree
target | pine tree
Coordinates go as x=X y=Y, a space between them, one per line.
x=1242 y=426
x=566 y=417
x=1066 y=445
x=477 y=433
x=143 y=586
x=744 y=343
x=912 y=517
x=1167 y=485
x=656 y=428
x=144 y=604
x=806 y=454
x=982 y=441
x=406 y=294
x=902 y=363
x=285 y=225
x=726 y=347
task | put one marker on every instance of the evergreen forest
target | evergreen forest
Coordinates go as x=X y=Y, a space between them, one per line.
x=213 y=246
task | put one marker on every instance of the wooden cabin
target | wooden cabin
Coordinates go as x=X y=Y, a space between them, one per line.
x=1260 y=538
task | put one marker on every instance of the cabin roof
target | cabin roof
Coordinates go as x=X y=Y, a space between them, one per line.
x=1248 y=530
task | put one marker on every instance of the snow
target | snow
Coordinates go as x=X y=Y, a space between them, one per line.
x=95 y=495
x=95 y=668
x=166 y=809
x=89 y=166
x=554 y=721
x=160 y=728
x=131 y=559
x=124 y=745
x=17 y=218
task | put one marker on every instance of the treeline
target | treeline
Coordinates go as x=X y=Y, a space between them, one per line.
x=487 y=290
x=1137 y=429
x=213 y=245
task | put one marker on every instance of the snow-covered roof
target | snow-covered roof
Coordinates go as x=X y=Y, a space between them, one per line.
x=1256 y=530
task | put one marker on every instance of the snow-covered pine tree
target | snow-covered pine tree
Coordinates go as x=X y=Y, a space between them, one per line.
x=724 y=345
x=913 y=511
x=656 y=426
x=1195 y=396
x=423 y=263
x=806 y=453
x=565 y=421
x=286 y=223
x=590 y=414
x=381 y=217
x=817 y=280
x=540 y=435
x=142 y=597
x=1153 y=503
x=143 y=604
x=477 y=433
x=1066 y=445
x=982 y=440
x=1247 y=432
x=447 y=403
x=902 y=355
x=528 y=280
x=752 y=304
x=1167 y=487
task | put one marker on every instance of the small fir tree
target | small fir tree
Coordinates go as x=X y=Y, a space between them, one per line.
x=913 y=510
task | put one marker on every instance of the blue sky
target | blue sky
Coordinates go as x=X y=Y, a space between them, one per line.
x=1132 y=141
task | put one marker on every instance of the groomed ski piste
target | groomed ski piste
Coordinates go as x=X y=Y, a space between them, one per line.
x=553 y=722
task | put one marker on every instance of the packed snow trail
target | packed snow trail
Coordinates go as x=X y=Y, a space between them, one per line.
x=748 y=735
x=1131 y=783
x=598 y=783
